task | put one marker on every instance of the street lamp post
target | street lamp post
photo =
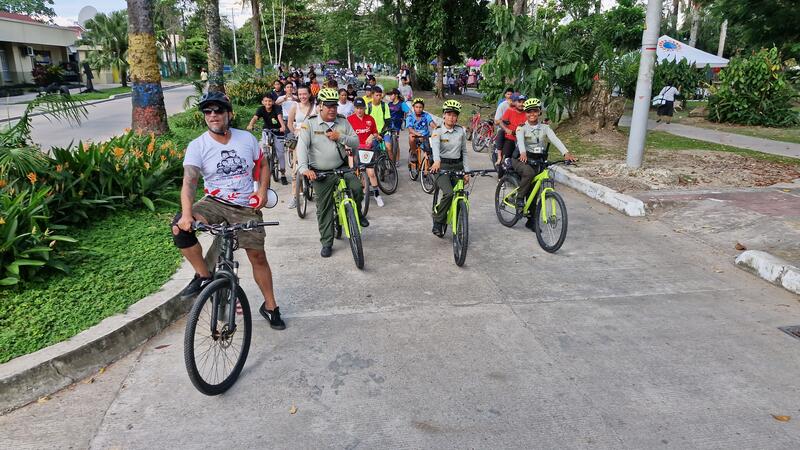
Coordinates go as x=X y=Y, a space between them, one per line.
x=235 y=53
x=644 y=85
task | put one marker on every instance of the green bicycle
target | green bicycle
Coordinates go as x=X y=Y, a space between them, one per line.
x=550 y=224
x=458 y=214
x=345 y=214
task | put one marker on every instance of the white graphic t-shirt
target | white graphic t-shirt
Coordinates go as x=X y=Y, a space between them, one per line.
x=227 y=168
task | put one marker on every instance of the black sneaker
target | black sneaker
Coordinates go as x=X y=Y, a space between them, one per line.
x=284 y=181
x=273 y=317
x=326 y=251
x=364 y=222
x=195 y=286
x=530 y=223
x=438 y=229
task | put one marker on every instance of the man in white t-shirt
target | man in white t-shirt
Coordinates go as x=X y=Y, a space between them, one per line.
x=226 y=158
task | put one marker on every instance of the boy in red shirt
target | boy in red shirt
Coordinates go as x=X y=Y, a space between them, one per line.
x=367 y=131
x=512 y=118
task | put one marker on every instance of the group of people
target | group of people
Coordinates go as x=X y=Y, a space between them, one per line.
x=327 y=127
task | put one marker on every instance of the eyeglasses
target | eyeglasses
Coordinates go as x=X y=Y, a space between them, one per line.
x=209 y=111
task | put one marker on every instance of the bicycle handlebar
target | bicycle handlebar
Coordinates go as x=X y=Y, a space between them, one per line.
x=220 y=228
x=339 y=172
x=461 y=173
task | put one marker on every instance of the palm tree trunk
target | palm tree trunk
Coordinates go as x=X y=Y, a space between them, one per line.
x=216 y=81
x=257 y=35
x=695 y=24
x=149 y=114
x=723 y=33
x=674 y=17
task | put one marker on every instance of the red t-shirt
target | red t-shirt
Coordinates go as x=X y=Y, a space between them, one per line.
x=363 y=128
x=516 y=118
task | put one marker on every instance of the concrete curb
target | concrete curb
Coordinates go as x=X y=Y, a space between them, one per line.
x=29 y=377
x=770 y=268
x=624 y=203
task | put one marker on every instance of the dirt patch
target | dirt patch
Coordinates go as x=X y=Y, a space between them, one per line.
x=603 y=161
x=671 y=169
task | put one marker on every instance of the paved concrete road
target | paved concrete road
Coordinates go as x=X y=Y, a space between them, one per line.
x=105 y=120
x=632 y=336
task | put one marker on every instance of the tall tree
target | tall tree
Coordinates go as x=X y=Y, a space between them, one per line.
x=255 y=22
x=763 y=23
x=149 y=114
x=695 y=23
x=29 y=7
x=216 y=82
x=108 y=37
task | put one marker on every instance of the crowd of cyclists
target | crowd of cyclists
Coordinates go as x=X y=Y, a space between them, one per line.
x=319 y=127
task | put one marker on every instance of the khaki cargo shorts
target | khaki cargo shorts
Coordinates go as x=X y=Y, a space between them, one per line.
x=217 y=212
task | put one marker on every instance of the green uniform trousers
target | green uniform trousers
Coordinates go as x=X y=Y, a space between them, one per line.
x=445 y=187
x=323 y=191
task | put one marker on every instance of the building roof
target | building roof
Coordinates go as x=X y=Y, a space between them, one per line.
x=20 y=17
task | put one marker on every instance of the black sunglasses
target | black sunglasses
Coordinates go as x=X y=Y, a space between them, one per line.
x=208 y=111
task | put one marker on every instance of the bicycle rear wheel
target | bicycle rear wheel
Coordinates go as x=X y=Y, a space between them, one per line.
x=299 y=196
x=365 y=189
x=461 y=233
x=551 y=234
x=507 y=215
x=355 y=236
x=426 y=178
x=387 y=176
x=480 y=138
x=213 y=354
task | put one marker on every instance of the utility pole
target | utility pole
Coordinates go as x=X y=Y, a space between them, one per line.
x=644 y=85
x=235 y=53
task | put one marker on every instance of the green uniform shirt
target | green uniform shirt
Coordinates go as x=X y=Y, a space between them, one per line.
x=534 y=138
x=450 y=143
x=315 y=150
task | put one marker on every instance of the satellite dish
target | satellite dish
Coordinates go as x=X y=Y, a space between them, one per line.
x=87 y=12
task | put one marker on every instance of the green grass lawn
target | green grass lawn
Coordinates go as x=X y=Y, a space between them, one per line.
x=120 y=259
x=104 y=94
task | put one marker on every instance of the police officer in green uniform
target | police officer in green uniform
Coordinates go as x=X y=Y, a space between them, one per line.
x=532 y=140
x=320 y=146
x=449 y=147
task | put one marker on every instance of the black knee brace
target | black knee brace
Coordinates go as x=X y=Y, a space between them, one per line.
x=184 y=239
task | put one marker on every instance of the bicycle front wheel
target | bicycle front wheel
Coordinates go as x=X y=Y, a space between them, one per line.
x=461 y=233
x=213 y=353
x=275 y=165
x=355 y=236
x=426 y=178
x=551 y=225
x=505 y=203
x=479 y=138
x=300 y=198
x=387 y=176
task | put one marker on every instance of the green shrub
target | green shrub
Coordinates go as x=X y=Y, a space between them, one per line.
x=754 y=91
x=424 y=80
x=44 y=74
x=27 y=239
x=248 y=92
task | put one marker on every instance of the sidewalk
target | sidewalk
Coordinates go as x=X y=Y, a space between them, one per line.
x=721 y=137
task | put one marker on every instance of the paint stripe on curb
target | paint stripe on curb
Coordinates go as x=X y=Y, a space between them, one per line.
x=29 y=377
x=770 y=268
x=621 y=202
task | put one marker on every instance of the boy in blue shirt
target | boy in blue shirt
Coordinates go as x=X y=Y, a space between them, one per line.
x=419 y=124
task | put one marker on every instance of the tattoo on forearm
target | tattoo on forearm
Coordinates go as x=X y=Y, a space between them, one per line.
x=191 y=176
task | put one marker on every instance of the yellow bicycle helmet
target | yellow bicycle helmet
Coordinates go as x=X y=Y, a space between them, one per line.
x=451 y=106
x=418 y=100
x=328 y=95
x=532 y=103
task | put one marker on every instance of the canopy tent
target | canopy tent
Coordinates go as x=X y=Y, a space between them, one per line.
x=475 y=62
x=675 y=50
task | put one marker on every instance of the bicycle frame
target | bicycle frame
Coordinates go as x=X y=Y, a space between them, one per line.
x=459 y=193
x=340 y=199
x=226 y=268
x=540 y=180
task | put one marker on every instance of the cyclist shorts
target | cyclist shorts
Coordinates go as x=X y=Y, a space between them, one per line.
x=214 y=211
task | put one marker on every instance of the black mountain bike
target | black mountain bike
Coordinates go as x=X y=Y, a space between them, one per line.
x=217 y=336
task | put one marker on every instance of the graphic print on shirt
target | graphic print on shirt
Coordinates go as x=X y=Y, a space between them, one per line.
x=231 y=164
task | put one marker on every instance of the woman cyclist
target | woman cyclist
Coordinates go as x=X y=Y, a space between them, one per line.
x=449 y=146
x=304 y=108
